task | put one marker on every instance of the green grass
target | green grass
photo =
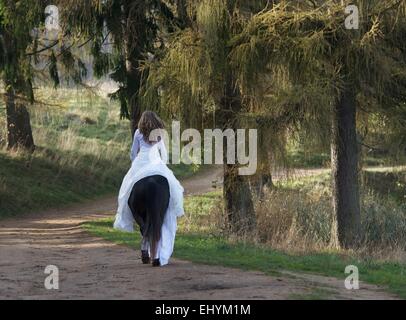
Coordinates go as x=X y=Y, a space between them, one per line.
x=387 y=182
x=300 y=159
x=383 y=181
x=197 y=220
x=215 y=250
x=300 y=155
x=38 y=182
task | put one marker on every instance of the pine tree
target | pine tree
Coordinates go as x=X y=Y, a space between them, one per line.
x=194 y=78
x=25 y=43
x=310 y=41
x=131 y=30
x=17 y=19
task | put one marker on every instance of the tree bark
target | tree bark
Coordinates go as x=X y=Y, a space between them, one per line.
x=238 y=204
x=181 y=8
x=345 y=175
x=19 y=132
x=133 y=83
x=134 y=46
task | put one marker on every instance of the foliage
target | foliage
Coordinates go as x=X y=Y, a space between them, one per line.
x=120 y=33
x=28 y=49
x=304 y=46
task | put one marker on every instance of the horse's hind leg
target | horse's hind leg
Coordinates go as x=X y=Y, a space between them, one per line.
x=145 y=250
x=136 y=204
x=156 y=262
x=156 y=209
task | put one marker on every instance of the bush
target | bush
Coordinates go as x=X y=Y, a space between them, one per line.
x=299 y=216
x=383 y=223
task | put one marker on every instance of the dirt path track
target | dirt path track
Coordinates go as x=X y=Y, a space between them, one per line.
x=91 y=268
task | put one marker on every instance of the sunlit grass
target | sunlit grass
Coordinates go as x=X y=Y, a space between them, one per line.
x=196 y=219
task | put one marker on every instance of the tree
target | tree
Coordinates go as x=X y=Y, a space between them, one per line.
x=132 y=30
x=17 y=19
x=24 y=45
x=310 y=40
x=216 y=24
x=194 y=76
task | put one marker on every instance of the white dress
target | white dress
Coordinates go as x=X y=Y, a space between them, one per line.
x=147 y=160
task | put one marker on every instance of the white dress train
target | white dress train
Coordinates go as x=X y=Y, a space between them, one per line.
x=147 y=160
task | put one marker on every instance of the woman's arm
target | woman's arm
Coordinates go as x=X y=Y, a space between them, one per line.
x=163 y=151
x=135 y=147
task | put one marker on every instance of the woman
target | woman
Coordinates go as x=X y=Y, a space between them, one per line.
x=149 y=157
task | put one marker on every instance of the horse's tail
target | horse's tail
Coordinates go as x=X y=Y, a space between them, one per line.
x=157 y=196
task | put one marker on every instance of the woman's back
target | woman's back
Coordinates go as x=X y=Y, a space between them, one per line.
x=140 y=145
x=142 y=142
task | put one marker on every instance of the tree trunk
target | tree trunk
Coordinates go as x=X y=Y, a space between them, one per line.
x=238 y=204
x=135 y=43
x=19 y=132
x=344 y=162
x=181 y=8
x=133 y=79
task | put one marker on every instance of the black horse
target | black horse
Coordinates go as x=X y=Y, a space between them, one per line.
x=149 y=202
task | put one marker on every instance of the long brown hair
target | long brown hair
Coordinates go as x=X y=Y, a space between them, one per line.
x=149 y=121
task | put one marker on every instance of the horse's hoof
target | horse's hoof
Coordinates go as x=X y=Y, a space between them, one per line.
x=145 y=257
x=156 y=263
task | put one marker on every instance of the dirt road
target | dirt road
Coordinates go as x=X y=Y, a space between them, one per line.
x=91 y=268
